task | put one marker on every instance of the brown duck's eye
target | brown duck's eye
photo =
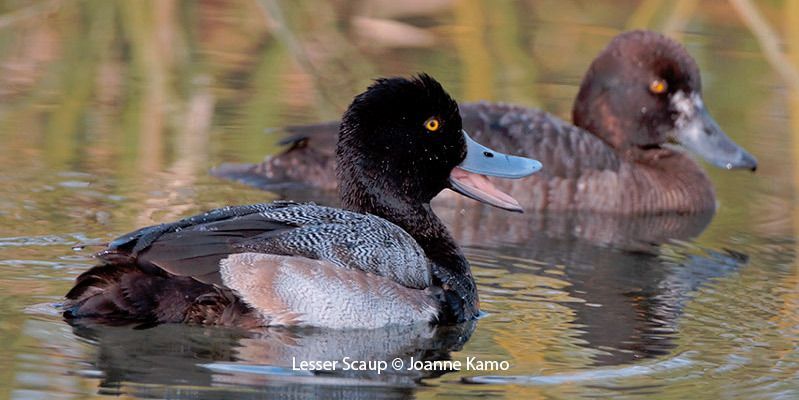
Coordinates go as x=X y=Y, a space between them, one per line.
x=658 y=86
x=432 y=124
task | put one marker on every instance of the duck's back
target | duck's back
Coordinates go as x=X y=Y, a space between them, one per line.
x=266 y=264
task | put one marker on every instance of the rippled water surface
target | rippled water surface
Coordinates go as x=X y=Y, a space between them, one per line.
x=112 y=113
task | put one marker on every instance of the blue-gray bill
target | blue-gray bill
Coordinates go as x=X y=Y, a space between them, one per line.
x=469 y=178
x=697 y=131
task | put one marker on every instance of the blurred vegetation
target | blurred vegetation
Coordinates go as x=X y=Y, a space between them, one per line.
x=137 y=66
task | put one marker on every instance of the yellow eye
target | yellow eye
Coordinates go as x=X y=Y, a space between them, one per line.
x=658 y=86
x=432 y=124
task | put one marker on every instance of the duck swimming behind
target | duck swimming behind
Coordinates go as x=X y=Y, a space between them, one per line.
x=384 y=259
x=640 y=94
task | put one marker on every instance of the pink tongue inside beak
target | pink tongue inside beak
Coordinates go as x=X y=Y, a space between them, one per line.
x=480 y=188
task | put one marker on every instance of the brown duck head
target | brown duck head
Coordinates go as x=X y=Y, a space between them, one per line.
x=644 y=90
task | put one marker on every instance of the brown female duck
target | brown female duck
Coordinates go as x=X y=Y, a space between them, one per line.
x=385 y=259
x=641 y=93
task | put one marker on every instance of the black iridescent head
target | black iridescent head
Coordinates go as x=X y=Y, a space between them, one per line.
x=402 y=134
x=645 y=90
x=401 y=143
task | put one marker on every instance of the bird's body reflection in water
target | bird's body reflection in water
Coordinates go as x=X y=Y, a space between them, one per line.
x=472 y=224
x=214 y=362
x=631 y=276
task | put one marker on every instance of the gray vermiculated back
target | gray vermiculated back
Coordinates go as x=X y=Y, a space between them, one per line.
x=348 y=240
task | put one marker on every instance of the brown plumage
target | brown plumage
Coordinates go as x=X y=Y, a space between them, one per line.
x=121 y=294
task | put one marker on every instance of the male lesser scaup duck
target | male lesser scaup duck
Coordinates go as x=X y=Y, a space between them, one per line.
x=640 y=93
x=383 y=259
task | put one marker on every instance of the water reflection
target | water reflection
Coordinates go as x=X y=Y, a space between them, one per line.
x=627 y=279
x=265 y=361
x=474 y=223
x=630 y=302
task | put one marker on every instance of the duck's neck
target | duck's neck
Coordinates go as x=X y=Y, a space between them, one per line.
x=449 y=266
x=417 y=219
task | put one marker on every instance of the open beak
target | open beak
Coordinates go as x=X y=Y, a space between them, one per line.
x=469 y=178
x=696 y=130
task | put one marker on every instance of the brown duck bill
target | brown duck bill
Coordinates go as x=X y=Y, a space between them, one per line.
x=469 y=178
